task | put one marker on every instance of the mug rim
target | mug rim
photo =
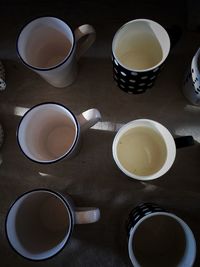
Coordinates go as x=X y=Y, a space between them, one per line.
x=166 y=165
x=54 y=66
x=155 y=67
x=189 y=236
x=65 y=154
x=70 y=213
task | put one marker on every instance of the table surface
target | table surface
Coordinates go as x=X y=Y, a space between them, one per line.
x=92 y=178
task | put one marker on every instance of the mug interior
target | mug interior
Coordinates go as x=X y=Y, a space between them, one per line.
x=45 y=43
x=47 y=132
x=144 y=149
x=38 y=224
x=141 y=45
x=161 y=239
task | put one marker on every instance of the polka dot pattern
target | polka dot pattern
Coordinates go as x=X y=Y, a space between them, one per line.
x=139 y=212
x=132 y=81
x=191 y=86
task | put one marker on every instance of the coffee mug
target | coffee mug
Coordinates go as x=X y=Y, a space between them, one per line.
x=139 y=49
x=49 y=132
x=48 y=46
x=40 y=223
x=191 y=83
x=157 y=237
x=144 y=149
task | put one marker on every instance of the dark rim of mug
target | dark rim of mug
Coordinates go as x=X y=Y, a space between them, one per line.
x=70 y=228
x=68 y=152
x=138 y=70
x=53 y=67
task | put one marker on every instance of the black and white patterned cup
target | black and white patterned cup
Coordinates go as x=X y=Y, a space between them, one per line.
x=157 y=237
x=139 y=49
x=191 y=83
x=39 y=223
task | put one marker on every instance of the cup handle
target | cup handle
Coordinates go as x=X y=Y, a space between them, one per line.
x=184 y=141
x=88 y=118
x=89 y=33
x=87 y=215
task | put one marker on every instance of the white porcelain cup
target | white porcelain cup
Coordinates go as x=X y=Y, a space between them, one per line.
x=49 y=132
x=144 y=149
x=159 y=238
x=49 y=46
x=40 y=223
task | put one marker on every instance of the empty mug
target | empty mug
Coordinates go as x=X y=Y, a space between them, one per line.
x=40 y=223
x=139 y=49
x=157 y=237
x=49 y=132
x=145 y=149
x=49 y=46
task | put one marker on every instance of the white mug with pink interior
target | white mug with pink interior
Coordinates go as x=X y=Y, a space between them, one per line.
x=49 y=132
x=49 y=46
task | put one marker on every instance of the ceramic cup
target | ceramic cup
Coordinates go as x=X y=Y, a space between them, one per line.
x=159 y=238
x=40 y=222
x=49 y=132
x=191 y=83
x=145 y=149
x=139 y=49
x=49 y=46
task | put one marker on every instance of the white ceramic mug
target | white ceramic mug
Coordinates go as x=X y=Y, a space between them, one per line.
x=40 y=222
x=159 y=238
x=48 y=132
x=144 y=149
x=49 y=46
x=139 y=49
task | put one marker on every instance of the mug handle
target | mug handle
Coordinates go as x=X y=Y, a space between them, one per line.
x=184 y=141
x=88 y=118
x=87 y=215
x=89 y=33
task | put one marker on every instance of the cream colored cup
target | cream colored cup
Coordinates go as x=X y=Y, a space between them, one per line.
x=144 y=149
